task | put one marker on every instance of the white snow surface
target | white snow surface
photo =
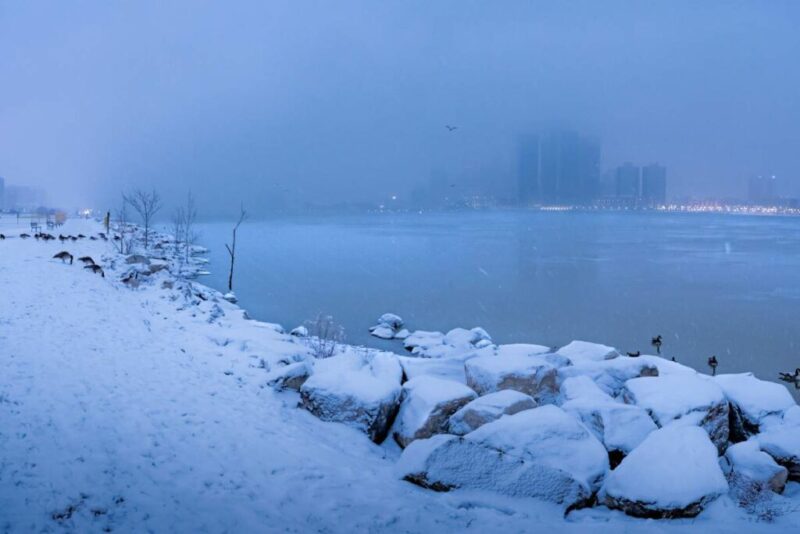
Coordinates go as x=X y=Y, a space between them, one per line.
x=674 y=396
x=675 y=466
x=579 y=351
x=146 y=410
x=755 y=398
x=548 y=436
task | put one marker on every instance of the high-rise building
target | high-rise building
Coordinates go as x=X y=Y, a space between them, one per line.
x=761 y=189
x=2 y=193
x=558 y=167
x=654 y=185
x=628 y=182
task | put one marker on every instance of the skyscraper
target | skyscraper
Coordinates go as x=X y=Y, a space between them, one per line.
x=558 y=167
x=654 y=185
x=628 y=182
x=2 y=192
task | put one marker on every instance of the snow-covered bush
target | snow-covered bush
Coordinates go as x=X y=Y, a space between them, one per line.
x=325 y=335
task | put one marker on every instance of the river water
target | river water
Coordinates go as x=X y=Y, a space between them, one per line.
x=709 y=284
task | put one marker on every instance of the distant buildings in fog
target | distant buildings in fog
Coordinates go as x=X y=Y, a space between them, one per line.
x=761 y=190
x=20 y=197
x=558 y=167
x=563 y=168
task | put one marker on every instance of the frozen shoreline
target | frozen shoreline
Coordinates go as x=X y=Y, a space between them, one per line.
x=148 y=409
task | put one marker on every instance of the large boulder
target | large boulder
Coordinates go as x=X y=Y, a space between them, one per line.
x=427 y=404
x=685 y=399
x=582 y=351
x=361 y=390
x=487 y=409
x=610 y=375
x=543 y=453
x=782 y=442
x=535 y=375
x=673 y=473
x=747 y=468
x=620 y=427
x=752 y=400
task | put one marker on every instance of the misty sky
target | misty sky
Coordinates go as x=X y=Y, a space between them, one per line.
x=267 y=101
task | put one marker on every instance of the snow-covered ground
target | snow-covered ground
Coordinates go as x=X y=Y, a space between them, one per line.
x=147 y=409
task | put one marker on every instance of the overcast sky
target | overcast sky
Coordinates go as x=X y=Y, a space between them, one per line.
x=262 y=100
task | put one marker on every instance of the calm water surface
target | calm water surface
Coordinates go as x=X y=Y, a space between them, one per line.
x=710 y=284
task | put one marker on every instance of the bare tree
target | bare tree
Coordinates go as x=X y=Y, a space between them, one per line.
x=178 y=229
x=146 y=205
x=232 y=247
x=324 y=336
x=190 y=234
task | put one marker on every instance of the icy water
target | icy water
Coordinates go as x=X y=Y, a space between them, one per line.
x=710 y=284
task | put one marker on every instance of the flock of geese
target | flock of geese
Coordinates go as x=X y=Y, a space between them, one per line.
x=88 y=263
x=657 y=341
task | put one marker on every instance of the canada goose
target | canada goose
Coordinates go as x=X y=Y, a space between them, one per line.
x=2 y=236
x=86 y=260
x=62 y=237
x=93 y=238
x=73 y=238
x=656 y=342
x=102 y=235
x=81 y=236
x=450 y=128
x=712 y=362
x=635 y=354
x=24 y=236
x=788 y=377
x=95 y=269
x=63 y=255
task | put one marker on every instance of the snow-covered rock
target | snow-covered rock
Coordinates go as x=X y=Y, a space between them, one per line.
x=534 y=375
x=610 y=375
x=457 y=341
x=421 y=341
x=673 y=473
x=685 y=399
x=230 y=296
x=581 y=351
x=137 y=258
x=361 y=390
x=782 y=442
x=746 y=465
x=751 y=401
x=620 y=427
x=291 y=376
x=427 y=404
x=542 y=452
x=299 y=331
x=388 y=326
x=487 y=409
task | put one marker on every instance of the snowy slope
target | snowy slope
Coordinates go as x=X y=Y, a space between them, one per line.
x=120 y=411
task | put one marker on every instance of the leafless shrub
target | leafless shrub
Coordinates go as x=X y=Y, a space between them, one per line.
x=325 y=335
x=124 y=237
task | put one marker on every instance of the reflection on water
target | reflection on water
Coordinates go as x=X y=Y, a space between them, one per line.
x=710 y=284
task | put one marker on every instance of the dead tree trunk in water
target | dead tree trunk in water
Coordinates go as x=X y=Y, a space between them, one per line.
x=232 y=247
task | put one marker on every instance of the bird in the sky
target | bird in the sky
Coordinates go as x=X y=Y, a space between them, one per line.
x=450 y=128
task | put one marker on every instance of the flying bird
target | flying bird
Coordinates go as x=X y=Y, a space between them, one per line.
x=450 y=128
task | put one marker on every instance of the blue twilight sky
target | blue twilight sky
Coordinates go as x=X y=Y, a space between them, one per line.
x=275 y=101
